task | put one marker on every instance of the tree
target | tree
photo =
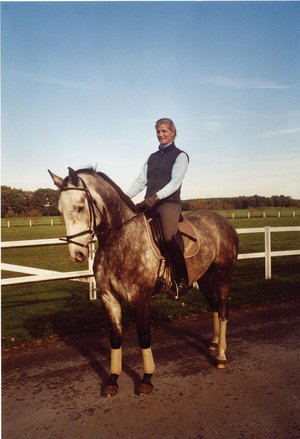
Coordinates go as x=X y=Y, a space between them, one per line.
x=19 y=202
x=45 y=200
x=13 y=201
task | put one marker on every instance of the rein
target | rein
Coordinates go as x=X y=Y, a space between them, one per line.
x=92 y=204
x=112 y=231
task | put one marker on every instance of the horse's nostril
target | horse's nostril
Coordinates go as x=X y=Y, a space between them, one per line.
x=79 y=256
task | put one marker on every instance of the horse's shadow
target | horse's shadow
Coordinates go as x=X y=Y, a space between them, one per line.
x=96 y=352
x=95 y=348
x=193 y=342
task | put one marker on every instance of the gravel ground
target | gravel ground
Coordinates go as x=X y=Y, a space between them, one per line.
x=52 y=390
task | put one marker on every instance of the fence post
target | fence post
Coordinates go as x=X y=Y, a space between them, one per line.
x=278 y=213
x=92 y=282
x=232 y=215
x=8 y=224
x=30 y=223
x=51 y=222
x=294 y=213
x=248 y=215
x=268 y=266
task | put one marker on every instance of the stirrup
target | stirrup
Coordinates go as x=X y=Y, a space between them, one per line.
x=178 y=289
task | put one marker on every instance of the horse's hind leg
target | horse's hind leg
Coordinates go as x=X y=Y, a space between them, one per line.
x=113 y=309
x=222 y=345
x=142 y=312
x=216 y=289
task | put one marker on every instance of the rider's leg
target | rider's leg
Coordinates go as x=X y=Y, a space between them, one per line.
x=169 y=213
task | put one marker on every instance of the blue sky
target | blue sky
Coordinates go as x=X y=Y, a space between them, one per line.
x=84 y=82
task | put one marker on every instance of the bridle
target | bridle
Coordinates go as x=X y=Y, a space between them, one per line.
x=92 y=230
x=92 y=205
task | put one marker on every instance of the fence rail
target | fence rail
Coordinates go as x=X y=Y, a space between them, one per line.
x=42 y=275
x=284 y=212
x=268 y=253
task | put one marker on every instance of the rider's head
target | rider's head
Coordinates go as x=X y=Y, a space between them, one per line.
x=165 y=130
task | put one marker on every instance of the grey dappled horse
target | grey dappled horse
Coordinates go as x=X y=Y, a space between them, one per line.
x=126 y=267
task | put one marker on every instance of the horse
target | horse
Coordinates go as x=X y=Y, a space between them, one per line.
x=125 y=266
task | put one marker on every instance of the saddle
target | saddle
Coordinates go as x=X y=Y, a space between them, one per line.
x=186 y=236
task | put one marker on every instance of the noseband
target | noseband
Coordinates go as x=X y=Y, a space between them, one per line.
x=92 y=204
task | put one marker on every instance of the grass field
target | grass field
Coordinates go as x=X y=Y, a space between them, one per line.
x=237 y=214
x=62 y=308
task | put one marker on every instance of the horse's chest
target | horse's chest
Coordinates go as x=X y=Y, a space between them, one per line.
x=122 y=269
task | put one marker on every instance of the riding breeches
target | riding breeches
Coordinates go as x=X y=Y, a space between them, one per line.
x=169 y=213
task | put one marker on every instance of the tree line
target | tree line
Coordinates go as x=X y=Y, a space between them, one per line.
x=16 y=202
x=43 y=202
x=242 y=202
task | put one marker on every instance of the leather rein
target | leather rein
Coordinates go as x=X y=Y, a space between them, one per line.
x=92 y=230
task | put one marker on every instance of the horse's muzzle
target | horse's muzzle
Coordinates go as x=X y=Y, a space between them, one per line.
x=80 y=256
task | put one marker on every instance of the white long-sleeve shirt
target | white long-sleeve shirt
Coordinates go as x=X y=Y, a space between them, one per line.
x=178 y=172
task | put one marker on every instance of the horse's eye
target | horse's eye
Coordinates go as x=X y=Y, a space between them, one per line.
x=80 y=209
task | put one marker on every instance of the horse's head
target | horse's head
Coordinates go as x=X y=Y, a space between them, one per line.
x=79 y=210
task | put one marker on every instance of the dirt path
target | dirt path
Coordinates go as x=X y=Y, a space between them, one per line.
x=53 y=391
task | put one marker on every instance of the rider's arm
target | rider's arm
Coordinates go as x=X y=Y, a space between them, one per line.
x=139 y=184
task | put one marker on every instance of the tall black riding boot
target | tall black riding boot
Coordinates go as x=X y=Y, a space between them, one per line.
x=178 y=267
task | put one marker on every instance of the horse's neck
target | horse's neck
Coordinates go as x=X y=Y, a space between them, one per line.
x=114 y=208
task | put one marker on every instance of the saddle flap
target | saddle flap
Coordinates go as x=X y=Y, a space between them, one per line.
x=190 y=242
x=186 y=237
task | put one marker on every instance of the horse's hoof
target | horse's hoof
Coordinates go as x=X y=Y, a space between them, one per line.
x=109 y=391
x=213 y=346
x=144 y=389
x=221 y=364
x=111 y=387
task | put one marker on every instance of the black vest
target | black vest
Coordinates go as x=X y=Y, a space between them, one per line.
x=159 y=173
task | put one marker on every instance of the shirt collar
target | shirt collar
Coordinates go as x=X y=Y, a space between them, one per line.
x=165 y=148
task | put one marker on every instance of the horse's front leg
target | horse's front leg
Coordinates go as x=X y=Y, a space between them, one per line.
x=142 y=313
x=114 y=312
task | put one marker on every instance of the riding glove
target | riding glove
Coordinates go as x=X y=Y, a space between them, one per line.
x=148 y=203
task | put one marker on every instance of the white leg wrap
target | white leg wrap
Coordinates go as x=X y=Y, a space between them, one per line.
x=221 y=355
x=116 y=361
x=148 y=361
x=222 y=341
x=223 y=328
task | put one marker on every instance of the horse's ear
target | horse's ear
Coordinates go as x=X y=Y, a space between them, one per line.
x=73 y=177
x=58 y=181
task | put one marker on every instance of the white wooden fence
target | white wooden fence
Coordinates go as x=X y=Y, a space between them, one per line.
x=41 y=275
x=268 y=253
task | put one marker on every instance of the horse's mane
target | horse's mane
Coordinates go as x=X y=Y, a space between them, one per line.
x=121 y=194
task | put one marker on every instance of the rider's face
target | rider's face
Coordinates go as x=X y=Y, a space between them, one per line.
x=164 y=134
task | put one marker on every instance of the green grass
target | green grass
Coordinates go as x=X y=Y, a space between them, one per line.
x=35 y=221
x=41 y=232
x=62 y=308
x=254 y=242
x=270 y=212
x=285 y=212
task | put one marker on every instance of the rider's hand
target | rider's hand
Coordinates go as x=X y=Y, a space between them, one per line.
x=148 y=203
